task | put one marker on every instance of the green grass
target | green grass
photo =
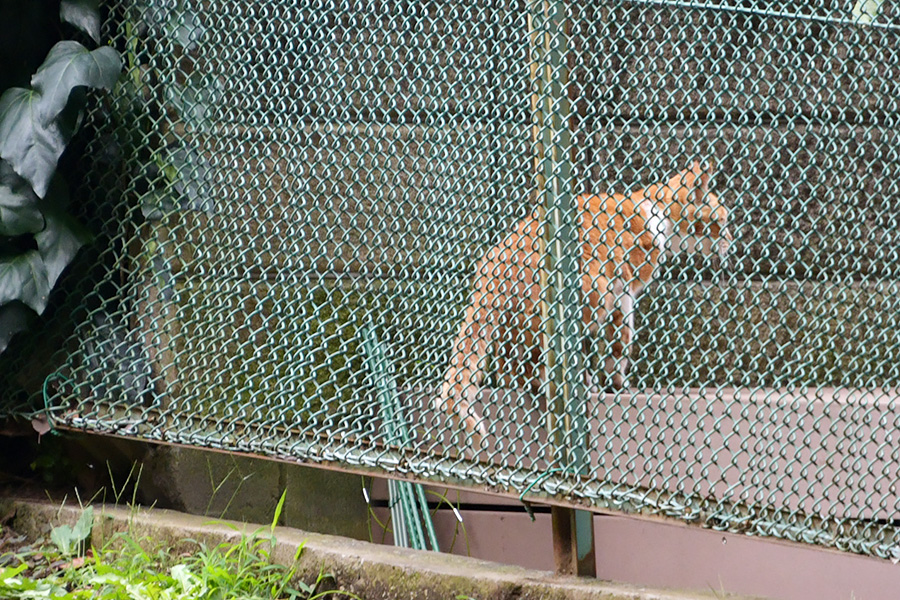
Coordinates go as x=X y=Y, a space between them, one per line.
x=126 y=567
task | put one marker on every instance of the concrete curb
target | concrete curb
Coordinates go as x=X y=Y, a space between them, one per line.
x=372 y=571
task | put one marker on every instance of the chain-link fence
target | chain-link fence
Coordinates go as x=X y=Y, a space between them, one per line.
x=635 y=255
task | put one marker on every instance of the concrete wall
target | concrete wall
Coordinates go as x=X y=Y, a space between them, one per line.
x=357 y=569
x=634 y=551
x=248 y=489
x=218 y=485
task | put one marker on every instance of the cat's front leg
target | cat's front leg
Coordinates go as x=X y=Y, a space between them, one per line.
x=629 y=305
x=618 y=343
x=461 y=383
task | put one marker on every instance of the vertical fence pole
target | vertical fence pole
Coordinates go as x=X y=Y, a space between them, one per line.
x=573 y=534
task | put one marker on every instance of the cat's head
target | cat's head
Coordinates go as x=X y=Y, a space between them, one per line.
x=699 y=221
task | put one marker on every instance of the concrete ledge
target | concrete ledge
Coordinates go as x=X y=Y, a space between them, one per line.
x=372 y=571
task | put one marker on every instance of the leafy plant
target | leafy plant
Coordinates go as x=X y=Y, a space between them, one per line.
x=38 y=237
x=136 y=568
x=149 y=136
x=14 y=585
x=71 y=540
x=174 y=175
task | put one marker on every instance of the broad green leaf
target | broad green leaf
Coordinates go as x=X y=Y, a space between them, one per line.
x=7 y=572
x=157 y=204
x=138 y=591
x=18 y=214
x=9 y=177
x=66 y=538
x=865 y=11
x=32 y=148
x=28 y=589
x=102 y=578
x=24 y=277
x=62 y=538
x=190 y=173
x=70 y=65
x=173 y=21
x=182 y=574
x=18 y=204
x=59 y=242
x=187 y=175
x=191 y=585
x=14 y=317
x=84 y=524
x=83 y=14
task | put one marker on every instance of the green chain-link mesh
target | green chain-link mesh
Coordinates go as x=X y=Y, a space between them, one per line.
x=270 y=179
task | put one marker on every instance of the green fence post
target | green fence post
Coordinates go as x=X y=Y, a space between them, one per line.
x=573 y=539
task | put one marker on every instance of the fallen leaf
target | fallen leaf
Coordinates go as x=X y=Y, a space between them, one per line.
x=76 y=563
x=56 y=565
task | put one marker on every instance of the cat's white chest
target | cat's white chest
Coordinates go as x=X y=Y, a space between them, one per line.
x=659 y=226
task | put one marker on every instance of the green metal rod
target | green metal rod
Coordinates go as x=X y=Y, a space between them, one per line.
x=409 y=510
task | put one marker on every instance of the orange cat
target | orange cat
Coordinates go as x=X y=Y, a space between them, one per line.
x=623 y=240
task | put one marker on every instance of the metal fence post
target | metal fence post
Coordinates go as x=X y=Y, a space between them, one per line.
x=573 y=541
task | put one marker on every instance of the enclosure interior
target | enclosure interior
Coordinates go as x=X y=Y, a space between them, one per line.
x=292 y=199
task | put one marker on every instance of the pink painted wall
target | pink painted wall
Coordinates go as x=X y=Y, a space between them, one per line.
x=670 y=555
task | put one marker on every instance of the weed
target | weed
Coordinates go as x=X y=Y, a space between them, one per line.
x=128 y=568
x=72 y=540
x=385 y=526
x=459 y=521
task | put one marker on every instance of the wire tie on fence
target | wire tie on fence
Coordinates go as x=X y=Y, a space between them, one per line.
x=456 y=513
x=540 y=478
x=47 y=410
